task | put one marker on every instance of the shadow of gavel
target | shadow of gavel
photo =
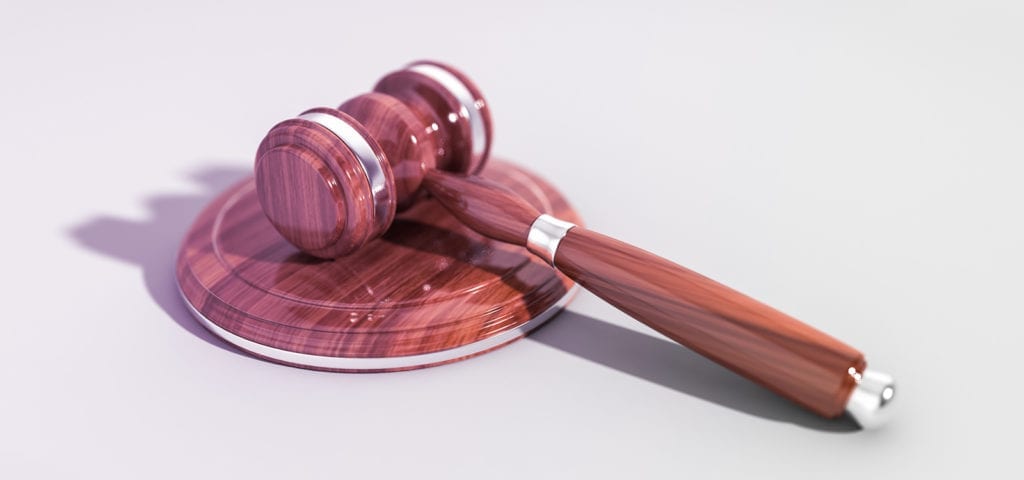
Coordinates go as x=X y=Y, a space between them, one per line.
x=331 y=180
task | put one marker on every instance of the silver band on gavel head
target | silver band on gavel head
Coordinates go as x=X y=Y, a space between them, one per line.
x=372 y=165
x=469 y=108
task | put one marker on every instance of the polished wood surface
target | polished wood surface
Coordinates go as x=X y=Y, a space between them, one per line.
x=755 y=340
x=747 y=336
x=433 y=103
x=482 y=205
x=428 y=285
x=313 y=187
x=404 y=138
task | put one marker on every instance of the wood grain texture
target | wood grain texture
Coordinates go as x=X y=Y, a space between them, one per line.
x=443 y=113
x=428 y=285
x=747 y=336
x=404 y=138
x=483 y=205
x=481 y=105
x=314 y=190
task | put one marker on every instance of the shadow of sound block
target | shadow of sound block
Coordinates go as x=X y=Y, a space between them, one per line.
x=427 y=293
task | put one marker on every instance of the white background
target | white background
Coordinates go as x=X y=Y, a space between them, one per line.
x=856 y=164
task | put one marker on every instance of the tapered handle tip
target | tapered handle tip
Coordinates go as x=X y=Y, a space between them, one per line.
x=870 y=404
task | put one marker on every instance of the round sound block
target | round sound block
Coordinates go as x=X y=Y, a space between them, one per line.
x=428 y=292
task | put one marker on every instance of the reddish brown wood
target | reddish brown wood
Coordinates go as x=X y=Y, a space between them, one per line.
x=755 y=340
x=428 y=285
x=484 y=206
x=751 y=338
x=313 y=188
x=441 y=111
x=402 y=136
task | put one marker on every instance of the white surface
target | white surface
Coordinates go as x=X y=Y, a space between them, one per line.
x=856 y=164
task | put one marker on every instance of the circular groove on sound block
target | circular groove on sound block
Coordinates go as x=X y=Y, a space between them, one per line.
x=429 y=292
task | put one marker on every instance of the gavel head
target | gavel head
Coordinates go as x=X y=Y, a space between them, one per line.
x=331 y=180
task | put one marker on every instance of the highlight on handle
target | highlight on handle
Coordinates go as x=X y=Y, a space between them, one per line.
x=773 y=349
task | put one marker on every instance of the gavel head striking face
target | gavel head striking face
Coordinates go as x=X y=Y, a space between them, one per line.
x=332 y=179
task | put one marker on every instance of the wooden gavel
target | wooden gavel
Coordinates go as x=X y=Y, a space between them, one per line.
x=331 y=180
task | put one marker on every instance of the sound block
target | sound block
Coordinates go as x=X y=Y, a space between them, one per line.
x=428 y=292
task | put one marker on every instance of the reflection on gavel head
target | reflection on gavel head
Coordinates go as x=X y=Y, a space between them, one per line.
x=331 y=180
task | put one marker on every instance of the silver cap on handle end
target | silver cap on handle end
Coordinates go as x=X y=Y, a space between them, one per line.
x=870 y=404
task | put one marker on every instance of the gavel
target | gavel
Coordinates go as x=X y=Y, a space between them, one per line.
x=332 y=180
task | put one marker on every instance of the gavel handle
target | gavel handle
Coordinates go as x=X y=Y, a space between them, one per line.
x=765 y=345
